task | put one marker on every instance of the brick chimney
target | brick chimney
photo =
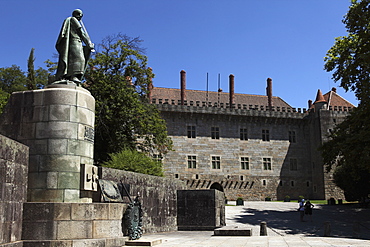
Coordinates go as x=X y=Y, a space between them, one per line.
x=269 y=92
x=231 y=89
x=183 y=86
x=309 y=104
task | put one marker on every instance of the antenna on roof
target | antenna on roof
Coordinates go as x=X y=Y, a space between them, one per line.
x=219 y=89
x=207 y=89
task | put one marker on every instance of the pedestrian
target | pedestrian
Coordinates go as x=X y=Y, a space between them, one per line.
x=308 y=209
x=301 y=210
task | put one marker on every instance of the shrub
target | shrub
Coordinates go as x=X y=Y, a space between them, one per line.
x=134 y=161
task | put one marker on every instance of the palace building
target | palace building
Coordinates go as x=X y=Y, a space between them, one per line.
x=249 y=146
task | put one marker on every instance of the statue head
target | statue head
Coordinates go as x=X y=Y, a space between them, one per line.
x=77 y=13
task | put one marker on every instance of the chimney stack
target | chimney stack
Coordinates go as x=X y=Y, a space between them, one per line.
x=231 y=88
x=309 y=104
x=183 y=86
x=269 y=92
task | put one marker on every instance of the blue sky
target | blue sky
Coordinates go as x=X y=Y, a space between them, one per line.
x=282 y=39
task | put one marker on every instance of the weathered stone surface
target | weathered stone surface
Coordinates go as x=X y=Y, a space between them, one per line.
x=107 y=228
x=49 y=121
x=200 y=209
x=84 y=222
x=157 y=195
x=233 y=231
x=13 y=187
x=74 y=229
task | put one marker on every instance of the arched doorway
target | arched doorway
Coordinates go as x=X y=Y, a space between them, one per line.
x=217 y=186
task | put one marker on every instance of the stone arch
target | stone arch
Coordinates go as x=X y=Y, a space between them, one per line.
x=217 y=186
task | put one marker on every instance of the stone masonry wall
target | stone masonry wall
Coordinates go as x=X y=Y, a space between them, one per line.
x=157 y=194
x=13 y=190
x=254 y=183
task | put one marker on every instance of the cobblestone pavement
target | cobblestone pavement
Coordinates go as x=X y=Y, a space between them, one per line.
x=346 y=225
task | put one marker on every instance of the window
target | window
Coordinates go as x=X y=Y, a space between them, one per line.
x=176 y=175
x=281 y=183
x=157 y=157
x=293 y=165
x=215 y=132
x=292 y=136
x=292 y=183
x=265 y=135
x=266 y=163
x=244 y=163
x=244 y=134
x=263 y=182
x=192 y=161
x=191 y=132
x=216 y=162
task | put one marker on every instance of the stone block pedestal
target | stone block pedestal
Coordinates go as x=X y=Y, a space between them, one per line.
x=73 y=224
x=57 y=123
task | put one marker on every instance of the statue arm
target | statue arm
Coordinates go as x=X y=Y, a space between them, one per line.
x=84 y=37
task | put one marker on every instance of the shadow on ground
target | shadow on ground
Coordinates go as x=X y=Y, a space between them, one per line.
x=347 y=220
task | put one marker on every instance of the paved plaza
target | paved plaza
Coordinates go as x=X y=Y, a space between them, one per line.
x=346 y=225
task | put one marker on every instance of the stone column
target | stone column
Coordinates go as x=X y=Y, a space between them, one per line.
x=57 y=123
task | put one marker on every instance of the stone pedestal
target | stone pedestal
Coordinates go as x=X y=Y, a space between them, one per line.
x=73 y=224
x=200 y=210
x=57 y=123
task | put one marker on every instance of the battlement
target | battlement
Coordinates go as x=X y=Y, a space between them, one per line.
x=263 y=108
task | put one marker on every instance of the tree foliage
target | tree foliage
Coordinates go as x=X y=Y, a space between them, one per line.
x=348 y=149
x=349 y=57
x=31 y=81
x=135 y=161
x=12 y=79
x=119 y=79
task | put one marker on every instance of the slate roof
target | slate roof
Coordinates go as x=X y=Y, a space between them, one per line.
x=215 y=97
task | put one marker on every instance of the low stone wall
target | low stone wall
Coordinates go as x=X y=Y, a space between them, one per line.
x=158 y=197
x=13 y=190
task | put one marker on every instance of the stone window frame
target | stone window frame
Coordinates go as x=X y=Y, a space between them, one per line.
x=244 y=164
x=265 y=135
x=243 y=134
x=215 y=162
x=191 y=131
x=158 y=157
x=267 y=163
x=293 y=164
x=191 y=161
x=292 y=136
x=215 y=132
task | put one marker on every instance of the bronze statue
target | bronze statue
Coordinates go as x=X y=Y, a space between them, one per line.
x=73 y=56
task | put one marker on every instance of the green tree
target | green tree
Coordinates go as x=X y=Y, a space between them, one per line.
x=134 y=161
x=4 y=96
x=12 y=79
x=119 y=79
x=31 y=81
x=349 y=57
x=347 y=150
